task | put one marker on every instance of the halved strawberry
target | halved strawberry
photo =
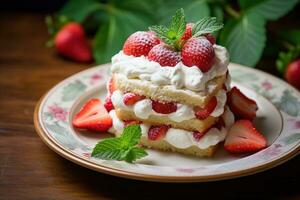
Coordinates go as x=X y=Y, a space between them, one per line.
x=108 y=103
x=243 y=137
x=203 y=113
x=157 y=132
x=198 y=135
x=164 y=107
x=240 y=105
x=111 y=87
x=131 y=98
x=93 y=116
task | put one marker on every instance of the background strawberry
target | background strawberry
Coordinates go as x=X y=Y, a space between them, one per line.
x=292 y=73
x=164 y=54
x=198 y=52
x=70 y=42
x=140 y=43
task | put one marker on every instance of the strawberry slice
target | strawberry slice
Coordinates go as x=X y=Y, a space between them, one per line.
x=243 y=137
x=131 y=98
x=164 y=107
x=240 y=105
x=203 y=113
x=111 y=87
x=157 y=132
x=93 y=116
x=108 y=103
x=198 y=135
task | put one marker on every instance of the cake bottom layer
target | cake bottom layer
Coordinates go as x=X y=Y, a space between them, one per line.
x=165 y=146
x=190 y=125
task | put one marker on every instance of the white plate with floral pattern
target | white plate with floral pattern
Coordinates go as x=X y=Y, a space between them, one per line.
x=278 y=119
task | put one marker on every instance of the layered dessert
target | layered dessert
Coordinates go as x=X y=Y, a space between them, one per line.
x=174 y=83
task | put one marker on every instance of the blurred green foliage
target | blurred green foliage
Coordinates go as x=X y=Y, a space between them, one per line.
x=110 y=22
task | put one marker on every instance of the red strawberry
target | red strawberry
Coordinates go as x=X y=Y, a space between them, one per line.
x=93 y=116
x=198 y=135
x=199 y=52
x=203 y=113
x=140 y=43
x=131 y=98
x=164 y=107
x=164 y=54
x=292 y=73
x=131 y=122
x=71 y=42
x=210 y=38
x=188 y=31
x=240 y=105
x=243 y=137
x=111 y=85
x=157 y=132
x=108 y=104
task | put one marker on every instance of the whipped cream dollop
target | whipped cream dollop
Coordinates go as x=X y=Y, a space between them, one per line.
x=143 y=108
x=179 y=138
x=179 y=76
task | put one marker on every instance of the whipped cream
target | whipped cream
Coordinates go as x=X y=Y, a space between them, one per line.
x=178 y=138
x=143 y=108
x=179 y=76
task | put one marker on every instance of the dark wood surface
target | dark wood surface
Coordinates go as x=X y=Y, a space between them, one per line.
x=30 y=170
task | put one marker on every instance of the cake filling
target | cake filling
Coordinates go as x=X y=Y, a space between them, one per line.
x=181 y=138
x=176 y=112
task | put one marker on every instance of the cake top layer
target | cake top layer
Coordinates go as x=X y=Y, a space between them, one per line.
x=180 y=75
x=183 y=55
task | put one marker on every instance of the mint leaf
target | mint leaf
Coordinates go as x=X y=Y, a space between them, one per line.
x=269 y=9
x=162 y=33
x=131 y=135
x=171 y=35
x=121 y=148
x=206 y=25
x=245 y=38
x=177 y=26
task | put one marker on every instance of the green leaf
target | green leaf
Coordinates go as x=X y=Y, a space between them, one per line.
x=72 y=90
x=121 y=148
x=269 y=9
x=286 y=58
x=289 y=103
x=206 y=25
x=292 y=36
x=217 y=12
x=245 y=39
x=162 y=33
x=79 y=10
x=196 y=11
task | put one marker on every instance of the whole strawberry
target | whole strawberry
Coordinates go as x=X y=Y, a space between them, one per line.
x=292 y=73
x=188 y=31
x=71 y=42
x=198 y=52
x=164 y=54
x=140 y=43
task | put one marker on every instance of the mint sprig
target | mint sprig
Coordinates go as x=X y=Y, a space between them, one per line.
x=172 y=34
x=121 y=148
x=206 y=25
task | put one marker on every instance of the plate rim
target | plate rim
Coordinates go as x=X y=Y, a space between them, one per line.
x=69 y=155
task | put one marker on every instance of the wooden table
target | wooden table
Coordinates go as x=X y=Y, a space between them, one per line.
x=30 y=170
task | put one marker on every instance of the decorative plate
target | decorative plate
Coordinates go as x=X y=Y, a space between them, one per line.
x=278 y=119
